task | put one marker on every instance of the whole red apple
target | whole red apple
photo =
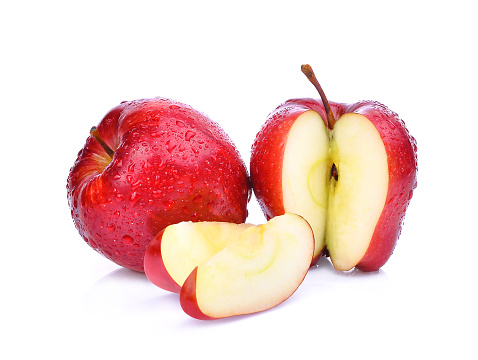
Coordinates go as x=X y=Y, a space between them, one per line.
x=148 y=164
x=348 y=169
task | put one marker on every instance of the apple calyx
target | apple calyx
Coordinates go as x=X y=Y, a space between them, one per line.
x=96 y=134
x=307 y=70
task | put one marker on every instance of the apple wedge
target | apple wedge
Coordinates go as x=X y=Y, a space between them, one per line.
x=178 y=249
x=260 y=270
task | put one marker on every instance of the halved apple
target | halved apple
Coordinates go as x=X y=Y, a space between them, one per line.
x=351 y=178
x=263 y=268
x=178 y=249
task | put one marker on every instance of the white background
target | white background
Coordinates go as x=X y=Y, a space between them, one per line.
x=65 y=64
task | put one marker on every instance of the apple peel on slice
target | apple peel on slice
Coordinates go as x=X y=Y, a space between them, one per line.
x=260 y=270
x=178 y=249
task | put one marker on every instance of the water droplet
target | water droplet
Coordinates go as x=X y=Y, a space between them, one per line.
x=146 y=166
x=128 y=240
x=111 y=227
x=156 y=194
x=174 y=107
x=116 y=214
x=168 y=205
x=129 y=178
x=179 y=123
x=170 y=145
x=189 y=135
x=410 y=194
x=134 y=198
x=156 y=134
x=136 y=185
x=131 y=168
x=197 y=199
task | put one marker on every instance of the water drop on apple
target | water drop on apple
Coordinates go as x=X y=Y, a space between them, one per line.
x=197 y=199
x=128 y=240
x=170 y=145
x=168 y=204
x=189 y=135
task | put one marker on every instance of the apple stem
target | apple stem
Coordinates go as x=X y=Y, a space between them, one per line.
x=96 y=134
x=307 y=70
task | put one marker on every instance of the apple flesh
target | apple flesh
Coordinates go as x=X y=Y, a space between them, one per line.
x=260 y=270
x=148 y=164
x=173 y=254
x=351 y=179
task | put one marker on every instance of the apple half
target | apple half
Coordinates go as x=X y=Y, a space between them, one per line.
x=178 y=249
x=351 y=178
x=260 y=270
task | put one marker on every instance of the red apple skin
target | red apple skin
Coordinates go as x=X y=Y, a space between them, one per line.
x=268 y=152
x=154 y=267
x=188 y=299
x=171 y=163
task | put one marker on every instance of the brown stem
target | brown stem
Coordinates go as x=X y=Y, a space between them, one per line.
x=96 y=134
x=307 y=70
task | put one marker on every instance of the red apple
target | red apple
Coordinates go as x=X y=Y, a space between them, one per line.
x=260 y=269
x=348 y=169
x=148 y=164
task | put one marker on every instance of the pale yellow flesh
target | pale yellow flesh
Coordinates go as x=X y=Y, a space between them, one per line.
x=357 y=199
x=262 y=269
x=306 y=173
x=343 y=214
x=187 y=245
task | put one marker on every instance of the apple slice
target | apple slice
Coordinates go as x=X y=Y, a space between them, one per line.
x=178 y=249
x=263 y=268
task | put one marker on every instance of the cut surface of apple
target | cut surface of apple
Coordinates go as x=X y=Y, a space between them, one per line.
x=357 y=198
x=349 y=207
x=179 y=248
x=306 y=173
x=260 y=270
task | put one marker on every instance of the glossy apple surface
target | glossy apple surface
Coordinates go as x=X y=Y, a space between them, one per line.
x=178 y=249
x=260 y=270
x=352 y=180
x=168 y=163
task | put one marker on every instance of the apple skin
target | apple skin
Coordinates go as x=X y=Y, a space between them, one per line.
x=154 y=266
x=188 y=300
x=268 y=152
x=171 y=163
